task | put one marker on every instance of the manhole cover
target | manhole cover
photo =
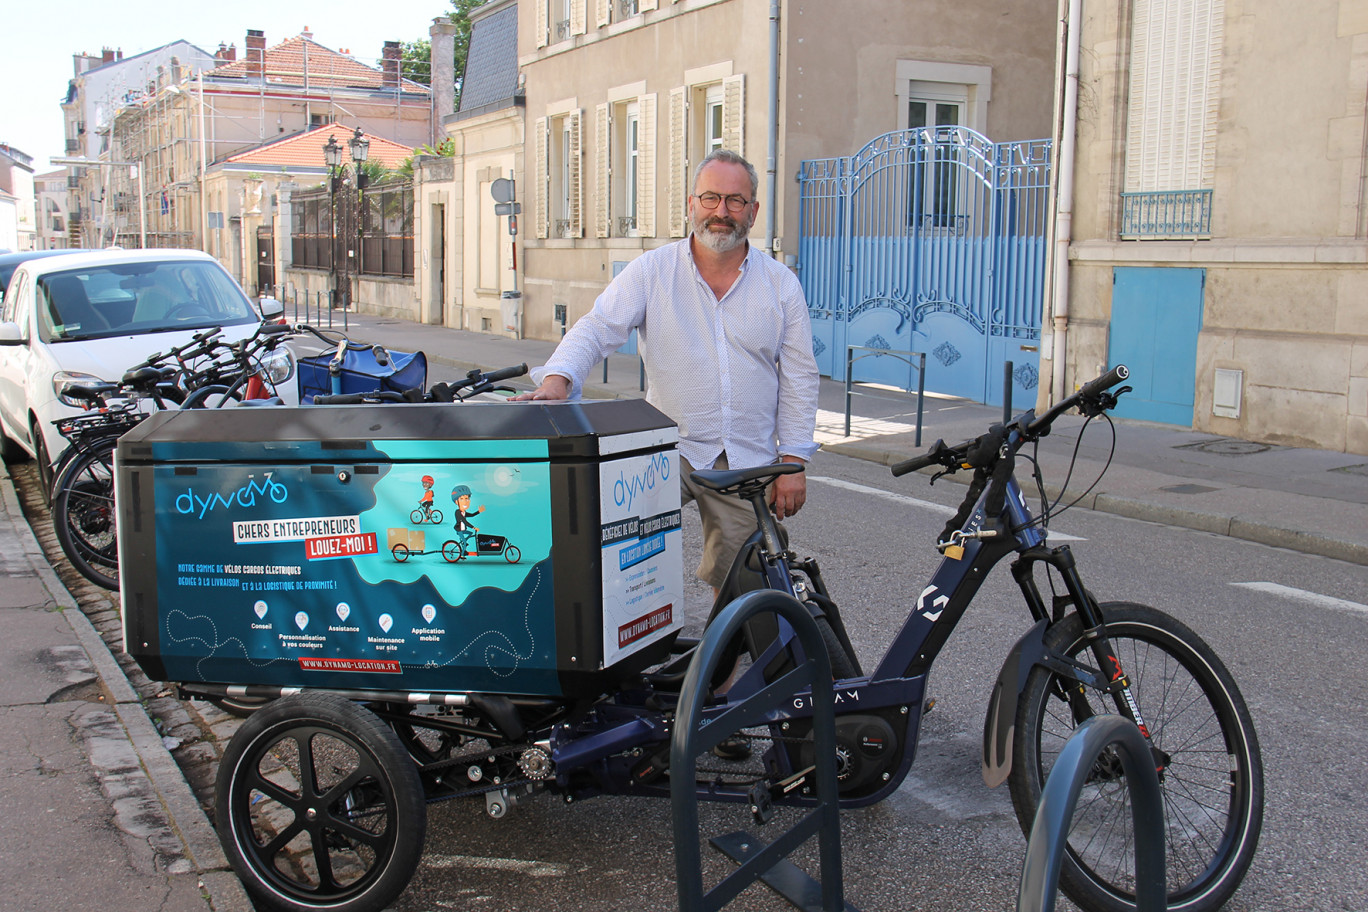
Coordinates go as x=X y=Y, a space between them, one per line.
x=1226 y=447
x=1353 y=470
x=1189 y=489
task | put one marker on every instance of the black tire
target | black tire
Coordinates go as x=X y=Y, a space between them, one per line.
x=213 y=396
x=10 y=450
x=1212 y=779
x=453 y=551
x=320 y=807
x=435 y=517
x=84 y=515
x=44 y=460
x=841 y=665
x=242 y=707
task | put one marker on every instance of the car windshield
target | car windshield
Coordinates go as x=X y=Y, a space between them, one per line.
x=123 y=299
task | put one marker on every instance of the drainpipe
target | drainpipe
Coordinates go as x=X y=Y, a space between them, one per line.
x=1064 y=175
x=772 y=157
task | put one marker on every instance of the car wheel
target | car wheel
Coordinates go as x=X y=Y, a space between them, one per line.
x=40 y=454
x=10 y=450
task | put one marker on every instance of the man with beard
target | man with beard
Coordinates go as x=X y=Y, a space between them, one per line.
x=727 y=345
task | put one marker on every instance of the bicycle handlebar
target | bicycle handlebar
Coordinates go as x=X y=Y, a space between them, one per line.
x=367 y=398
x=505 y=373
x=1088 y=396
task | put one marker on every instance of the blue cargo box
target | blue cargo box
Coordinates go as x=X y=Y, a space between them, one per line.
x=516 y=548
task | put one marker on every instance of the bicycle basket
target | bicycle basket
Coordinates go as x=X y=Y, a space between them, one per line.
x=113 y=423
x=362 y=374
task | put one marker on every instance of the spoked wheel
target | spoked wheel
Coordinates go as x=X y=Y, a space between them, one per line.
x=319 y=806
x=512 y=554
x=453 y=551
x=400 y=552
x=417 y=517
x=1211 y=773
x=84 y=518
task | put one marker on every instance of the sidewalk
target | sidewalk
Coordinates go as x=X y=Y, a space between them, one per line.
x=1307 y=500
x=94 y=811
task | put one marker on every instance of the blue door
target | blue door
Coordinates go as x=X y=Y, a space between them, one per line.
x=1156 y=316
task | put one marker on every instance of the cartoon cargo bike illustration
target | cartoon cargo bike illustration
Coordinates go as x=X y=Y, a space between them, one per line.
x=467 y=533
x=426 y=512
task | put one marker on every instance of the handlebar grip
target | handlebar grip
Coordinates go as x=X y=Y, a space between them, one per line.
x=382 y=357
x=505 y=373
x=1104 y=382
x=274 y=329
x=340 y=399
x=908 y=466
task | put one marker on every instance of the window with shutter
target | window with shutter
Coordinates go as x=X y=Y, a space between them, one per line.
x=646 y=168
x=602 y=171
x=1175 y=88
x=575 y=202
x=543 y=21
x=678 y=191
x=542 y=185
x=603 y=14
x=734 y=113
x=579 y=17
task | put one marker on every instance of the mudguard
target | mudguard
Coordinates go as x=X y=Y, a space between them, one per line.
x=999 y=725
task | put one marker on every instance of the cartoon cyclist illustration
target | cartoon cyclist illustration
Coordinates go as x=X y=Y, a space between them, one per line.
x=460 y=495
x=425 y=511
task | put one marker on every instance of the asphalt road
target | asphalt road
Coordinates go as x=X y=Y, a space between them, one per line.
x=945 y=841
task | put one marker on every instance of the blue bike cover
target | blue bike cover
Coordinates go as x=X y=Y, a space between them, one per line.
x=362 y=374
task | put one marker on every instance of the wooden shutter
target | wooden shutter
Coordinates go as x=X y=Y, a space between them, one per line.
x=645 y=5
x=1175 y=91
x=602 y=174
x=574 y=120
x=678 y=176
x=579 y=17
x=604 y=13
x=734 y=113
x=542 y=185
x=542 y=23
x=646 y=166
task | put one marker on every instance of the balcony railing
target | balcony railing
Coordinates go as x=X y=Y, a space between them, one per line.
x=561 y=30
x=1166 y=214
x=627 y=8
x=626 y=225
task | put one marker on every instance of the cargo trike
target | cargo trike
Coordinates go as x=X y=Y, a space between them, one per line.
x=397 y=685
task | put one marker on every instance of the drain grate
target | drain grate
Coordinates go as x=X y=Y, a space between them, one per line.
x=1222 y=446
x=1189 y=489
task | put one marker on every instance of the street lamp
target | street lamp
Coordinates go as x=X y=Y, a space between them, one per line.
x=332 y=154
x=360 y=148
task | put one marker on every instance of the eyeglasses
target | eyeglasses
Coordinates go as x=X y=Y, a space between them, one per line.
x=735 y=201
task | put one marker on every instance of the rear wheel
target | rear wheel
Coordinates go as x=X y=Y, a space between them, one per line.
x=44 y=461
x=84 y=516
x=319 y=806
x=1211 y=773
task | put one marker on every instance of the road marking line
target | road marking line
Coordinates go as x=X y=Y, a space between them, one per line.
x=513 y=865
x=914 y=502
x=1302 y=595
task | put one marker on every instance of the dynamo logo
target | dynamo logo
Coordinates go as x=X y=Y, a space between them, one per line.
x=191 y=504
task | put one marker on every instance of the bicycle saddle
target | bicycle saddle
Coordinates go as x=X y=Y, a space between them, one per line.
x=724 y=479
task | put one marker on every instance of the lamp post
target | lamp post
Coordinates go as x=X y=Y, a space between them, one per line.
x=332 y=154
x=360 y=149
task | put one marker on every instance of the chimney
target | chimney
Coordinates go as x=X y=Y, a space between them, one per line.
x=255 y=53
x=106 y=55
x=389 y=65
x=443 y=35
x=175 y=71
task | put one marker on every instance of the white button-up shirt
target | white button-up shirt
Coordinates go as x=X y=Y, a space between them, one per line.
x=737 y=374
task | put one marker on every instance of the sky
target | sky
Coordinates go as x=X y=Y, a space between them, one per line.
x=37 y=44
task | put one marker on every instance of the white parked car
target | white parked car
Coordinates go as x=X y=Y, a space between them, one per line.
x=91 y=316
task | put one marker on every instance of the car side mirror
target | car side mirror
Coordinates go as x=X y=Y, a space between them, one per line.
x=271 y=309
x=11 y=334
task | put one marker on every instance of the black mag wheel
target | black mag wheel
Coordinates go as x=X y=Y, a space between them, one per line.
x=1211 y=776
x=319 y=806
x=84 y=515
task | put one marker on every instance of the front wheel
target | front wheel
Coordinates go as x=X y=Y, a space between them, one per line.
x=320 y=807
x=512 y=554
x=84 y=517
x=1211 y=773
x=453 y=551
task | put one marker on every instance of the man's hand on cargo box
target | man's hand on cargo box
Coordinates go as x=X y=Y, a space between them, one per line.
x=554 y=386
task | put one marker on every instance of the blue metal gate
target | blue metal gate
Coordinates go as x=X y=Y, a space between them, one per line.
x=929 y=240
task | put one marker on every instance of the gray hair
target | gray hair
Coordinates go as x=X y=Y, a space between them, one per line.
x=729 y=157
